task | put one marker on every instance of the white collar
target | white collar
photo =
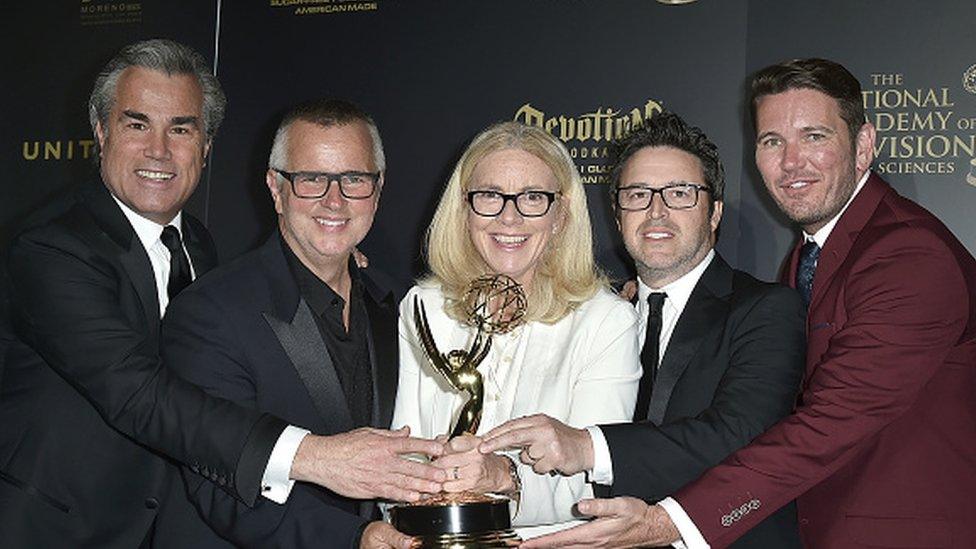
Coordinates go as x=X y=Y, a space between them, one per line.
x=147 y=230
x=820 y=237
x=679 y=291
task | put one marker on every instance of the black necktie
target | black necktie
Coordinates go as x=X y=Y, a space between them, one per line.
x=179 y=265
x=649 y=354
x=805 y=270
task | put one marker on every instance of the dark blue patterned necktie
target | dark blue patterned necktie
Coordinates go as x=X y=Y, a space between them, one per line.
x=807 y=266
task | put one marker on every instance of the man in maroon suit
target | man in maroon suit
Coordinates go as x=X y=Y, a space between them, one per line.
x=879 y=450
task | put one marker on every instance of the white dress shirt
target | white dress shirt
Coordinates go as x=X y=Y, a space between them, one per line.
x=820 y=237
x=678 y=294
x=148 y=232
x=275 y=483
x=690 y=533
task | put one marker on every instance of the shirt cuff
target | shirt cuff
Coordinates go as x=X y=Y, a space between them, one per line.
x=276 y=483
x=602 y=472
x=691 y=538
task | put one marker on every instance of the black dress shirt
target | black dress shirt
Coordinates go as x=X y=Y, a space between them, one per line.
x=349 y=349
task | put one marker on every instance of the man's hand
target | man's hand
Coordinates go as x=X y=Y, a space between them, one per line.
x=547 y=444
x=360 y=258
x=368 y=464
x=468 y=470
x=619 y=522
x=380 y=535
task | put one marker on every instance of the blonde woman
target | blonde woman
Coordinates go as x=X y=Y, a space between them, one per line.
x=515 y=205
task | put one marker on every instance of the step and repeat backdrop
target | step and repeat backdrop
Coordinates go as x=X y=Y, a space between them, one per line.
x=434 y=73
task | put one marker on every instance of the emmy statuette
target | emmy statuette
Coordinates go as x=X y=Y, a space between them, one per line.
x=493 y=304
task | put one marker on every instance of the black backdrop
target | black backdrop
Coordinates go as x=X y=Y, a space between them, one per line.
x=434 y=73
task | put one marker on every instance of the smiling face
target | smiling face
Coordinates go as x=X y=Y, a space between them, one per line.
x=510 y=243
x=805 y=156
x=153 y=143
x=322 y=232
x=666 y=243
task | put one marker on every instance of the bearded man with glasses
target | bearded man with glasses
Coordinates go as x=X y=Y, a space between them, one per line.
x=722 y=353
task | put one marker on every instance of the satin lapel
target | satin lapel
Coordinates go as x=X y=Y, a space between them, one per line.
x=128 y=249
x=136 y=263
x=382 y=335
x=842 y=237
x=199 y=245
x=702 y=318
x=292 y=322
x=302 y=342
x=788 y=276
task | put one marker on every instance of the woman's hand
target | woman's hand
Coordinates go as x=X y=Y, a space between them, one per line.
x=468 y=470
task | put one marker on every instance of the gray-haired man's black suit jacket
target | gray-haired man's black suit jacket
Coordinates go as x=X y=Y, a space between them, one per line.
x=86 y=402
x=244 y=332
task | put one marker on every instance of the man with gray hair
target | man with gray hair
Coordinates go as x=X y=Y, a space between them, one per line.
x=294 y=328
x=91 y=418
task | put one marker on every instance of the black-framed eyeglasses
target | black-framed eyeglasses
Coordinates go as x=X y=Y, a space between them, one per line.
x=352 y=185
x=677 y=196
x=527 y=203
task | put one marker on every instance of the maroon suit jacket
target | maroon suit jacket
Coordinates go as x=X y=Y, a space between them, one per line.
x=880 y=450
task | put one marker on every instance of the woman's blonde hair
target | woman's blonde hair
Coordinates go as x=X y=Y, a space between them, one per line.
x=566 y=274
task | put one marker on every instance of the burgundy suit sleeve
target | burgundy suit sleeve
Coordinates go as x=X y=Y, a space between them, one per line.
x=900 y=306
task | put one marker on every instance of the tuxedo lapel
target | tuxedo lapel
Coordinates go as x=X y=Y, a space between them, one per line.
x=302 y=342
x=702 y=317
x=788 y=275
x=198 y=244
x=294 y=325
x=136 y=264
x=382 y=338
x=127 y=248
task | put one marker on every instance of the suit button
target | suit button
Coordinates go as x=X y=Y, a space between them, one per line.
x=151 y=503
x=804 y=521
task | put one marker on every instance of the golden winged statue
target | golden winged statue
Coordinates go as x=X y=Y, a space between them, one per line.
x=459 y=368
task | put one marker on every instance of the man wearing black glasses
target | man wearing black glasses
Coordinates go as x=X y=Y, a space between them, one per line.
x=296 y=330
x=722 y=352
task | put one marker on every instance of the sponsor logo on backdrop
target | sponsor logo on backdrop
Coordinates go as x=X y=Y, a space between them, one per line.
x=924 y=127
x=324 y=7
x=110 y=12
x=588 y=135
x=58 y=150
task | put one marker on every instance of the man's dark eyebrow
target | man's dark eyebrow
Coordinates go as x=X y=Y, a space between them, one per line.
x=175 y=121
x=184 y=120
x=142 y=117
x=824 y=129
